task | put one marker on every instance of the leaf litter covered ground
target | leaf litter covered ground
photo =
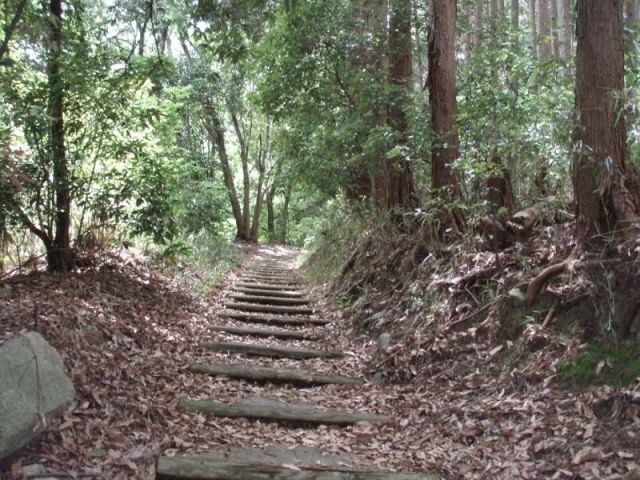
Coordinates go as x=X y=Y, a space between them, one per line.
x=127 y=334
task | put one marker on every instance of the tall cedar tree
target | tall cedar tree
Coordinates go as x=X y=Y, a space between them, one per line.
x=442 y=95
x=605 y=183
x=59 y=256
x=397 y=189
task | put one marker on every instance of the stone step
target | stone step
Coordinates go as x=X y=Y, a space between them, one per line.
x=273 y=351
x=256 y=307
x=270 y=286
x=263 y=332
x=272 y=319
x=269 y=300
x=181 y=468
x=269 y=293
x=271 y=410
x=274 y=375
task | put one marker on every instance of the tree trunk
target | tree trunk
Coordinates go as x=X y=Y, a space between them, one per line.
x=631 y=11
x=216 y=130
x=369 y=59
x=271 y=194
x=8 y=31
x=257 y=209
x=271 y=218
x=284 y=215
x=553 y=28
x=148 y=14
x=544 y=30
x=442 y=95
x=246 y=179
x=531 y=13
x=493 y=10
x=605 y=183
x=501 y=203
x=59 y=258
x=399 y=174
x=479 y=22
x=566 y=29
x=263 y=162
x=419 y=67
x=515 y=15
x=631 y=26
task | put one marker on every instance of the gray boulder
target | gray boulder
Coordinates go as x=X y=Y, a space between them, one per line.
x=383 y=342
x=33 y=390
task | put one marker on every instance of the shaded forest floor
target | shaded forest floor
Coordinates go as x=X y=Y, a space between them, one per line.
x=127 y=334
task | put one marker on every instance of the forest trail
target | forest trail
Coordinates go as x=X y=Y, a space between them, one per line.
x=271 y=291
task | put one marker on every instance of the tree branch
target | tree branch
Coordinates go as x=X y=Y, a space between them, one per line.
x=11 y=28
x=33 y=228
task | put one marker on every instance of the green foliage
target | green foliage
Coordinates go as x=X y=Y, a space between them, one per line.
x=517 y=109
x=311 y=56
x=617 y=365
x=199 y=261
x=142 y=83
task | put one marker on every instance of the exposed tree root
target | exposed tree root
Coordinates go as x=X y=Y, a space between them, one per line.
x=535 y=286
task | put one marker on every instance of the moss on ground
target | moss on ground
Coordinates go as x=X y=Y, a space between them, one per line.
x=601 y=363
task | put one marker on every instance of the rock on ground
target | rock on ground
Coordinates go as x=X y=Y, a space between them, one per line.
x=33 y=389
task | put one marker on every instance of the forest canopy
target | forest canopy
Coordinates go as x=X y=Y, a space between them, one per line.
x=160 y=122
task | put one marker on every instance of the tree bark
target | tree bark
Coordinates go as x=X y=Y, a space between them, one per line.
x=493 y=10
x=442 y=95
x=284 y=215
x=59 y=258
x=246 y=179
x=399 y=174
x=515 y=15
x=605 y=183
x=501 y=202
x=532 y=14
x=263 y=162
x=566 y=29
x=271 y=218
x=544 y=30
x=631 y=11
x=553 y=24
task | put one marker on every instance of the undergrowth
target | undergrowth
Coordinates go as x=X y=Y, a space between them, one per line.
x=601 y=363
x=438 y=301
x=333 y=240
x=199 y=262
